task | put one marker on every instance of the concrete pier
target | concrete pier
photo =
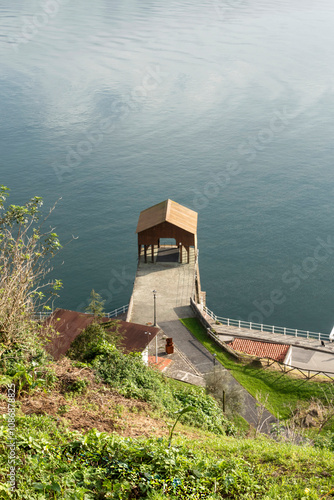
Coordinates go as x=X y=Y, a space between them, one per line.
x=174 y=284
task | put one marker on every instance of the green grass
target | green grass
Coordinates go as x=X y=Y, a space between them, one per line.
x=55 y=463
x=283 y=391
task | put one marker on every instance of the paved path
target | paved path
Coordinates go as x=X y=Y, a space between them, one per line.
x=189 y=345
x=203 y=361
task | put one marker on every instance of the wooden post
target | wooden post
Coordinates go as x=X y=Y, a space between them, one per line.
x=145 y=253
x=152 y=247
x=139 y=251
x=180 y=250
x=188 y=252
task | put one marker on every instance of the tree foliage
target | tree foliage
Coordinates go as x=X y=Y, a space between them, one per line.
x=25 y=253
x=94 y=339
x=96 y=304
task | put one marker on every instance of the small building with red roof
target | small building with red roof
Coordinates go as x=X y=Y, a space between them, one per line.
x=69 y=324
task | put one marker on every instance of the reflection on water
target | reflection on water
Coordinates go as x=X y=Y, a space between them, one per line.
x=224 y=106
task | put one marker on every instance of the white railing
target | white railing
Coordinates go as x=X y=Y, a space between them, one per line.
x=41 y=316
x=264 y=328
x=117 y=312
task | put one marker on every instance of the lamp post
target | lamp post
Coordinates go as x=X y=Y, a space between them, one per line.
x=155 y=307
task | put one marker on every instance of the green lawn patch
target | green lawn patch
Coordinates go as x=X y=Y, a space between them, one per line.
x=284 y=391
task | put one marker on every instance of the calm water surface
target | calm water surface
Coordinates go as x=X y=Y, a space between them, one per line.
x=226 y=107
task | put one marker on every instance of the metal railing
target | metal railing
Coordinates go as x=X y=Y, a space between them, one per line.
x=117 y=312
x=264 y=328
x=284 y=367
x=41 y=316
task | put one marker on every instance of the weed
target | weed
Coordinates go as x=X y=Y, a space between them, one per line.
x=78 y=386
x=63 y=409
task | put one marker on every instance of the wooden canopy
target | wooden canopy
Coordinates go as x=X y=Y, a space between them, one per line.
x=167 y=219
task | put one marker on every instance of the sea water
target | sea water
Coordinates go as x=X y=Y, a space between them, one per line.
x=225 y=107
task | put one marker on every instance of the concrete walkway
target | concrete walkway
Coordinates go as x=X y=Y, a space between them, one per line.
x=246 y=333
x=174 y=283
x=313 y=360
x=189 y=345
x=203 y=361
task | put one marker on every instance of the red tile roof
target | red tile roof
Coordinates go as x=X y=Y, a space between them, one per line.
x=69 y=324
x=260 y=349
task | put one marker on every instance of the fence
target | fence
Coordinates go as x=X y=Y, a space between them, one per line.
x=41 y=316
x=285 y=368
x=117 y=312
x=264 y=328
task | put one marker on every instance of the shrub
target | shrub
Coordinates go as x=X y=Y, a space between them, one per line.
x=96 y=339
x=221 y=385
x=25 y=253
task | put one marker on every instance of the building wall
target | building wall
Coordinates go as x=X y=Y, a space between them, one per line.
x=166 y=230
x=145 y=355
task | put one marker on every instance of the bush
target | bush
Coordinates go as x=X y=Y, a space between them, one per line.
x=221 y=385
x=325 y=440
x=25 y=253
x=95 y=340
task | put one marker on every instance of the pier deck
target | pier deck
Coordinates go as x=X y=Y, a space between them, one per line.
x=174 y=284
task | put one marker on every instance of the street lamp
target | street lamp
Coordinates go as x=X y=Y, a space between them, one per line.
x=155 y=307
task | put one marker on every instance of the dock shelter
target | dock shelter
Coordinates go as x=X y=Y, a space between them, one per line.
x=169 y=220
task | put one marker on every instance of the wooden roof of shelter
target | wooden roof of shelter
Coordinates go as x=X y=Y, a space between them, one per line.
x=168 y=211
x=69 y=324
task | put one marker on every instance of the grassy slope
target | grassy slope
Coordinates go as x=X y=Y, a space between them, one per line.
x=57 y=463
x=56 y=459
x=283 y=391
